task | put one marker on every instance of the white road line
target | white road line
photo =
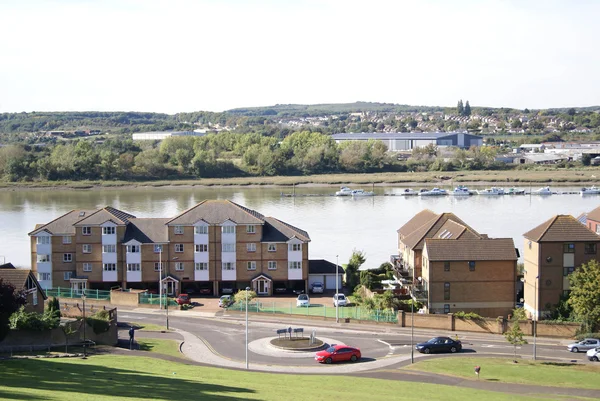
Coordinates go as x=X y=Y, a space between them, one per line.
x=391 y=351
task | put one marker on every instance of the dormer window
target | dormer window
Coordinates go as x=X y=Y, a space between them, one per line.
x=228 y=229
x=295 y=247
x=108 y=230
x=201 y=230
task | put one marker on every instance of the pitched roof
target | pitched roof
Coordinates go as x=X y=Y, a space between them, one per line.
x=147 y=230
x=450 y=229
x=417 y=221
x=216 y=212
x=105 y=214
x=470 y=249
x=594 y=214
x=322 y=266
x=278 y=231
x=561 y=228
x=18 y=277
x=430 y=228
x=63 y=225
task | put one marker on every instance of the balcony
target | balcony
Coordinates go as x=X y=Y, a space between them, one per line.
x=401 y=270
x=419 y=293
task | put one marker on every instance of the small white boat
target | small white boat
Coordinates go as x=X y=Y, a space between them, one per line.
x=344 y=191
x=409 y=192
x=433 y=192
x=542 y=191
x=491 y=191
x=590 y=191
x=360 y=192
x=515 y=191
x=460 y=191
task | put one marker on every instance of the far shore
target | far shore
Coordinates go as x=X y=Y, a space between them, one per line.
x=550 y=176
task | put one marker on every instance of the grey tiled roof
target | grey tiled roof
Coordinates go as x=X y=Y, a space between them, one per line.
x=561 y=228
x=278 y=229
x=147 y=231
x=470 y=249
x=322 y=266
x=216 y=212
x=105 y=214
x=63 y=225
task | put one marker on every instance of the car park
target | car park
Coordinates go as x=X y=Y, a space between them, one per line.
x=303 y=300
x=183 y=299
x=205 y=291
x=225 y=301
x=338 y=353
x=227 y=290
x=593 y=354
x=584 y=345
x=316 y=288
x=439 y=344
x=340 y=300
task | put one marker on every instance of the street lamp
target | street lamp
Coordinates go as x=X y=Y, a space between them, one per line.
x=337 y=301
x=84 y=324
x=247 y=289
x=535 y=317
x=160 y=276
x=412 y=330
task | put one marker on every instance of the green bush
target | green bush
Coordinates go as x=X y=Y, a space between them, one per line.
x=99 y=321
x=587 y=335
x=22 y=320
x=467 y=315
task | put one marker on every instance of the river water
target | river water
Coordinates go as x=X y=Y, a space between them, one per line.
x=336 y=225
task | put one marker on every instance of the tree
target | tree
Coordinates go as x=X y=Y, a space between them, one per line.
x=515 y=334
x=460 y=108
x=11 y=301
x=467 y=111
x=240 y=296
x=585 y=294
x=351 y=270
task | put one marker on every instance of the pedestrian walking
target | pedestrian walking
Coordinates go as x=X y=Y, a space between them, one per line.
x=131 y=337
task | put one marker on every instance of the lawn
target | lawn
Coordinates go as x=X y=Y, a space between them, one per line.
x=523 y=372
x=146 y=326
x=158 y=346
x=136 y=378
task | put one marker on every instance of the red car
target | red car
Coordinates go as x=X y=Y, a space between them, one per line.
x=338 y=353
x=183 y=299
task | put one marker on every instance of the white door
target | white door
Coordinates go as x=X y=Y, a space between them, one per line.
x=263 y=287
x=315 y=278
x=330 y=282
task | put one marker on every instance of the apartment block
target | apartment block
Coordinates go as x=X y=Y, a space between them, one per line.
x=216 y=245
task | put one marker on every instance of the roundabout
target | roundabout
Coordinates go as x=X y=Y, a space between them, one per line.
x=264 y=346
x=298 y=344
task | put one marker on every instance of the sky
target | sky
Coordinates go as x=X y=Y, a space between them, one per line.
x=213 y=55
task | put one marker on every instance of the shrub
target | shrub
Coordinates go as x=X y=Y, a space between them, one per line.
x=240 y=296
x=22 y=320
x=99 y=321
x=587 y=335
x=467 y=315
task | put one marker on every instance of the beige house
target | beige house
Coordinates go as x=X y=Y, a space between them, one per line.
x=552 y=251
x=24 y=279
x=215 y=245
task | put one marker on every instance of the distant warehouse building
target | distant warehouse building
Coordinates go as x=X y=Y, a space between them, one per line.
x=160 y=135
x=403 y=141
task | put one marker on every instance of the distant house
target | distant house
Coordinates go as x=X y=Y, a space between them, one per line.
x=323 y=271
x=403 y=141
x=160 y=135
x=24 y=279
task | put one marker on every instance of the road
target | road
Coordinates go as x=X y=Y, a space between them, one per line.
x=226 y=336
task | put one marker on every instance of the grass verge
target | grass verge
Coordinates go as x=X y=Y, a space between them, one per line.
x=135 y=378
x=146 y=326
x=524 y=372
x=158 y=346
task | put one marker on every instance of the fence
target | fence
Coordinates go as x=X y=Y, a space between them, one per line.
x=155 y=299
x=71 y=293
x=316 y=310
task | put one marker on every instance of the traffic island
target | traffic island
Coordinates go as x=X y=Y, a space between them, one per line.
x=297 y=344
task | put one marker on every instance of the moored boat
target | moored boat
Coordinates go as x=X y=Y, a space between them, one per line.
x=409 y=192
x=542 y=191
x=433 y=192
x=515 y=191
x=590 y=191
x=491 y=191
x=360 y=192
x=461 y=191
x=344 y=191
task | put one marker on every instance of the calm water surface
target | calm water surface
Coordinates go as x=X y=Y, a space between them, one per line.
x=336 y=225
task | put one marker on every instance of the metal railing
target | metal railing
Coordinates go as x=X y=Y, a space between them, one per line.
x=155 y=299
x=72 y=293
x=316 y=310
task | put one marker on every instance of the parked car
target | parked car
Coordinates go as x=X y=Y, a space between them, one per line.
x=205 y=291
x=584 y=345
x=298 y=291
x=340 y=300
x=303 y=300
x=439 y=344
x=338 y=353
x=183 y=299
x=593 y=354
x=227 y=290
x=225 y=301
x=317 y=288
x=280 y=290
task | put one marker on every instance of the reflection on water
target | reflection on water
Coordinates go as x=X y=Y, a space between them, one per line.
x=336 y=225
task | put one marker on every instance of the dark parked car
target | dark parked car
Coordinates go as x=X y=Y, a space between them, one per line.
x=439 y=344
x=227 y=290
x=280 y=290
x=205 y=291
x=338 y=353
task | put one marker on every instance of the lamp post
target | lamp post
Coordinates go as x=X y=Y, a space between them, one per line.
x=247 y=289
x=337 y=314
x=412 y=330
x=160 y=276
x=84 y=324
x=535 y=317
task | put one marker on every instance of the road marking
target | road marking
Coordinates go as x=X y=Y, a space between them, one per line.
x=391 y=351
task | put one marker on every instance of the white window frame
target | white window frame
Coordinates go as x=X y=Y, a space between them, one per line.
x=67 y=257
x=44 y=258
x=201 y=248
x=295 y=247
x=109 y=267
x=133 y=249
x=295 y=265
x=201 y=266
x=251 y=247
x=87 y=267
x=228 y=266
x=109 y=248
x=179 y=266
x=86 y=248
x=228 y=247
x=228 y=229
x=44 y=276
x=178 y=230
x=110 y=230
x=179 y=248
x=251 y=229
x=133 y=267
x=86 y=230
x=34 y=294
x=158 y=248
x=251 y=265
x=67 y=239
x=42 y=240
x=272 y=265
x=157 y=266
x=201 y=230
x=272 y=247
x=67 y=276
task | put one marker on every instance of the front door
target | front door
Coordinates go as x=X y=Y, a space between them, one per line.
x=261 y=287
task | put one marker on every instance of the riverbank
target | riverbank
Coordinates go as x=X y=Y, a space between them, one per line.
x=583 y=176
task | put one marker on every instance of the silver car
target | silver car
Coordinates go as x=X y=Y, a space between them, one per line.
x=584 y=345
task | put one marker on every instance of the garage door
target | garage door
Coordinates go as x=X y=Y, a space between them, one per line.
x=315 y=278
x=330 y=282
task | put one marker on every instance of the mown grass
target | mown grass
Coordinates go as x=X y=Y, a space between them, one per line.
x=146 y=326
x=524 y=372
x=159 y=346
x=138 y=378
x=540 y=174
